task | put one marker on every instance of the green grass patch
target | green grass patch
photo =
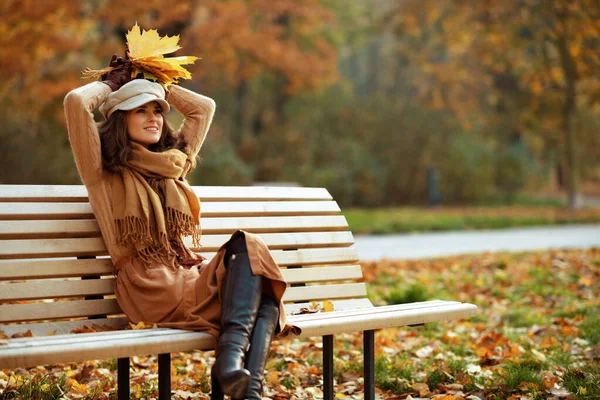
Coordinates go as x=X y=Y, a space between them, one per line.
x=390 y=377
x=413 y=293
x=37 y=388
x=518 y=373
x=590 y=329
x=583 y=384
x=416 y=219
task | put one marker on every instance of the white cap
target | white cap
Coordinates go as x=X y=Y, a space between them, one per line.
x=133 y=94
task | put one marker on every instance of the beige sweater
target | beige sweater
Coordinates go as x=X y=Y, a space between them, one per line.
x=198 y=111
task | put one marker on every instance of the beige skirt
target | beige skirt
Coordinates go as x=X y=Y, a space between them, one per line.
x=190 y=297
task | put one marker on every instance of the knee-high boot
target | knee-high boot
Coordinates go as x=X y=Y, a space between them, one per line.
x=266 y=322
x=241 y=298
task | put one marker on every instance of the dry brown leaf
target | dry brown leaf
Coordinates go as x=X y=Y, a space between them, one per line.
x=22 y=334
x=83 y=329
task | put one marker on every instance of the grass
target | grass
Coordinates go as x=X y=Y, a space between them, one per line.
x=37 y=388
x=415 y=219
x=583 y=384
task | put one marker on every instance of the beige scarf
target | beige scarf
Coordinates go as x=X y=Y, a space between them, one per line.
x=141 y=218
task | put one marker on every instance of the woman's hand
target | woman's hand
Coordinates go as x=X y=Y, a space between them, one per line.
x=120 y=75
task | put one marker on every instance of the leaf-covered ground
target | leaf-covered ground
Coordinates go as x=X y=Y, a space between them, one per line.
x=537 y=336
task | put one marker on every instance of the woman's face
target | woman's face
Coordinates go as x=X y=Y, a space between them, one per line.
x=144 y=124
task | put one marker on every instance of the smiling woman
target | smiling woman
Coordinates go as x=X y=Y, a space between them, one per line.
x=145 y=123
x=134 y=167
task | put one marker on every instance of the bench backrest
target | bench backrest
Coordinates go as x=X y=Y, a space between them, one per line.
x=55 y=273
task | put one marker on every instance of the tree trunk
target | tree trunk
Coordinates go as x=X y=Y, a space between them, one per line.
x=241 y=92
x=574 y=199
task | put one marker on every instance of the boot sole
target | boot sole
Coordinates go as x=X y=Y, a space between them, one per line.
x=236 y=384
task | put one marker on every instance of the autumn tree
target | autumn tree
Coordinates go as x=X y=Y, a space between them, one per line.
x=532 y=61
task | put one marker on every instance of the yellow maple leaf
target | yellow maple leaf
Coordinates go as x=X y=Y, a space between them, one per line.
x=141 y=325
x=147 y=53
x=149 y=43
x=327 y=306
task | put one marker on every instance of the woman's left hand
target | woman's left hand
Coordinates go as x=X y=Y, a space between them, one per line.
x=120 y=75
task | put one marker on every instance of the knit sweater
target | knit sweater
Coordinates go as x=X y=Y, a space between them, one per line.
x=79 y=104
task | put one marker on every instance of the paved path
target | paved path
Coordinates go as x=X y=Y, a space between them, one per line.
x=423 y=245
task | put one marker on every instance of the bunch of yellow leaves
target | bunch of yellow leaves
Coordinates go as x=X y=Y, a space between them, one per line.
x=146 y=50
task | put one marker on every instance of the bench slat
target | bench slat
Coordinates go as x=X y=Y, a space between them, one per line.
x=64 y=327
x=38 y=269
x=111 y=346
x=332 y=255
x=59 y=309
x=369 y=320
x=23 y=270
x=325 y=292
x=64 y=193
x=30 y=248
x=45 y=211
x=61 y=327
x=89 y=227
x=43 y=289
x=322 y=274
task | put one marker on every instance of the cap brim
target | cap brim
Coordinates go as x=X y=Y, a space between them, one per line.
x=141 y=99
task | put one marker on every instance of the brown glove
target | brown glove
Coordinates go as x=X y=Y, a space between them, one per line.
x=120 y=75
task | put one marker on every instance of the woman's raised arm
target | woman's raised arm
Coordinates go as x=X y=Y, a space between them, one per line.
x=83 y=133
x=198 y=111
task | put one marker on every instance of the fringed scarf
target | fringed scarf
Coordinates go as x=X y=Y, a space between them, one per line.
x=141 y=218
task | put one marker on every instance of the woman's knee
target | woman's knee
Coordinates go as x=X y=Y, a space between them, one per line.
x=236 y=245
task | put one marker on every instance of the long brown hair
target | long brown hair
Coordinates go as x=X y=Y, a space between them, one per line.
x=115 y=142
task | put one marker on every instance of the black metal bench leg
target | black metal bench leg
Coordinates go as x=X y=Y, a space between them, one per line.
x=123 y=378
x=328 y=367
x=164 y=376
x=369 y=363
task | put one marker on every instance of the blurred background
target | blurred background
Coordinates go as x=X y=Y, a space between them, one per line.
x=385 y=103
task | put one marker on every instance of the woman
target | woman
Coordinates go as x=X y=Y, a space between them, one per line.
x=134 y=167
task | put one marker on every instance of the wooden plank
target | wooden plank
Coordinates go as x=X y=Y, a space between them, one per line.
x=322 y=274
x=44 y=289
x=110 y=346
x=49 y=229
x=338 y=305
x=46 y=211
x=89 y=227
x=58 y=309
x=335 y=324
x=68 y=193
x=359 y=312
x=287 y=240
x=325 y=292
x=49 y=248
x=61 y=327
x=38 y=269
x=23 y=270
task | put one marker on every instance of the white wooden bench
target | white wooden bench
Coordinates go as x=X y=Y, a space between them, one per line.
x=55 y=276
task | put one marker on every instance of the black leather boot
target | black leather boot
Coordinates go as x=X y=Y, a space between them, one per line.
x=241 y=298
x=266 y=322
